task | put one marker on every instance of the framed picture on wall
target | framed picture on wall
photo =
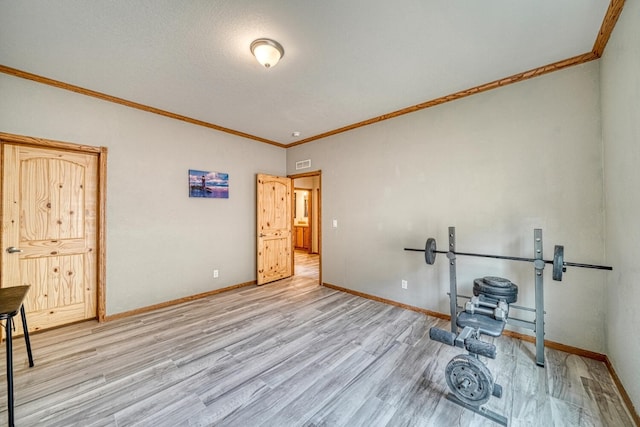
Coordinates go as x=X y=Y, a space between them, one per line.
x=211 y=185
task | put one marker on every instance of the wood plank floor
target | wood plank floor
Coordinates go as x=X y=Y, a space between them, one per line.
x=291 y=353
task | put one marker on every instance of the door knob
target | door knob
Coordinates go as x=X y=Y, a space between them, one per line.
x=13 y=250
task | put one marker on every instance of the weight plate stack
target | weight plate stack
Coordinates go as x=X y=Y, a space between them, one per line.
x=496 y=288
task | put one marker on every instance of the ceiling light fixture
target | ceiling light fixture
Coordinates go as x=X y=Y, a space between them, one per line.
x=268 y=52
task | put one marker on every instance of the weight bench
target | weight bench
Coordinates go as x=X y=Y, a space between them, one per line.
x=486 y=313
x=467 y=371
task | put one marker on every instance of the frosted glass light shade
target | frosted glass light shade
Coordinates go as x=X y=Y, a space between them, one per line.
x=268 y=52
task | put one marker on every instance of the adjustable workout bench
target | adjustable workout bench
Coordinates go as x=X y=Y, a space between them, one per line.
x=485 y=313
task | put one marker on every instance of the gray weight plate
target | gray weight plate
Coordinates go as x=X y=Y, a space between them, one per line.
x=558 y=262
x=430 y=251
x=469 y=380
x=500 y=282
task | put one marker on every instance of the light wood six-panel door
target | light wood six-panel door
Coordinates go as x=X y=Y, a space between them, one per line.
x=49 y=237
x=274 y=257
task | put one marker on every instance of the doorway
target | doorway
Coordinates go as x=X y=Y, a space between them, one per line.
x=306 y=219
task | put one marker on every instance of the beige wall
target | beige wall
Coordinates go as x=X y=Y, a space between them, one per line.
x=495 y=165
x=161 y=244
x=621 y=132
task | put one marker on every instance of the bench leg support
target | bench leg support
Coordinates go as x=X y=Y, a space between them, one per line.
x=487 y=413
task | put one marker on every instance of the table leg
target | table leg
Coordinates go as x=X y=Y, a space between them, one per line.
x=26 y=335
x=7 y=328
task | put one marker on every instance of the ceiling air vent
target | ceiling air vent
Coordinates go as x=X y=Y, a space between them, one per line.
x=303 y=164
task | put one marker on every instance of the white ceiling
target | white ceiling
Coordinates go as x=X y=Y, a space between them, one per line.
x=345 y=60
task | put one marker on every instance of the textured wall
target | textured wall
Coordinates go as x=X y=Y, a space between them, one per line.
x=495 y=165
x=161 y=244
x=621 y=133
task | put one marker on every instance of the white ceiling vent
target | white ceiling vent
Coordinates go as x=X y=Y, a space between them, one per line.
x=303 y=164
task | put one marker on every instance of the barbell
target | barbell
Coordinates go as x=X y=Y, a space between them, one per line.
x=559 y=264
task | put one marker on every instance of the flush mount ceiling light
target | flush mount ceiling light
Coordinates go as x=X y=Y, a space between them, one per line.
x=268 y=52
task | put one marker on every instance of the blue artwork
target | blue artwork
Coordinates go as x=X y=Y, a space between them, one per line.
x=213 y=185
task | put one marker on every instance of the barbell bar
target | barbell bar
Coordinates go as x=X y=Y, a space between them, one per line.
x=559 y=264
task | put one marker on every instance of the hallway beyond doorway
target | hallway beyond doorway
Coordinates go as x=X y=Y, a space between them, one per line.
x=306 y=265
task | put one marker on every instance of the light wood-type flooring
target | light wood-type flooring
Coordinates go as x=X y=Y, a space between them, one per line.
x=290 y=353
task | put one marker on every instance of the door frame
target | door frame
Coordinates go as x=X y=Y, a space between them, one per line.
x=293 y=177
x=101 y=152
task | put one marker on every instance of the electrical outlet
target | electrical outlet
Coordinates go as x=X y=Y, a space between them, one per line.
x=215 y=274
x=404 y=284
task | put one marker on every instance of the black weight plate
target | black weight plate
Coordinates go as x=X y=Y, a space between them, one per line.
x=500 y=282
x=430 y=251
x=469 y=380
x=507 y=294
x=558 y=262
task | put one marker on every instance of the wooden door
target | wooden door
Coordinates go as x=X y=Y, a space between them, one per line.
x=274 y=257
x=49 y=217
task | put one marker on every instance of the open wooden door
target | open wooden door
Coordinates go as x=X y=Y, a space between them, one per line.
x=275 y=259
x=49 y=232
